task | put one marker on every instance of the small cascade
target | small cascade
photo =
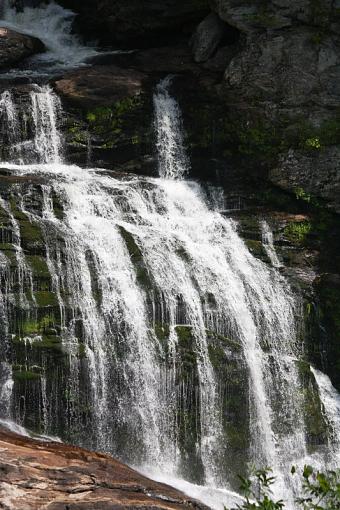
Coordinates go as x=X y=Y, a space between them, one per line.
x=52 y=24
x=10 y=126
x=47 y=140
x=172 y=159
x=330 y=400
x=30 y=128
x=268 y=244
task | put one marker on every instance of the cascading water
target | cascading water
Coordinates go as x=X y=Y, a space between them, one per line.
x=52 y=24
x=268 y=243
x=169 y=339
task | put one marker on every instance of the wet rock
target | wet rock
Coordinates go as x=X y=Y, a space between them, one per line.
x=207 y=37
x=15 y=47
x=36 y=475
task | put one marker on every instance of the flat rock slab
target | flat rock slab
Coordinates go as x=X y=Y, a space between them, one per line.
x=99 y=85
x=54 y=476
x=15 y=47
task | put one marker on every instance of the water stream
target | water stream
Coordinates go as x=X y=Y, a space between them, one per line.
x=52 y=24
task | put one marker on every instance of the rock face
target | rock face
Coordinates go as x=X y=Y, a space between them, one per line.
x=207 y=37
x=54 y=476
x=138 y=23
x=285 y=80
x=15 y=47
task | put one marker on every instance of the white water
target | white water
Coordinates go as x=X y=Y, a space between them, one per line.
x=330 y=400
x=52 y=24
x=217 y=499
x=268 y=244
x=44 y=144
x=172 y=160
x=190 y=254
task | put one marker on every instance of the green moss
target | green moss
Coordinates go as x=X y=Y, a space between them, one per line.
x=6 y=247
x=108 y=121
x=312 y=407
x=18 y=215
x=133 y=248
x=25 y=375
x=233 y=345
x=46 y=299
x=162 y=332
x=256 y=248
x=185 y=338
x=38 y=265
x=142 y=274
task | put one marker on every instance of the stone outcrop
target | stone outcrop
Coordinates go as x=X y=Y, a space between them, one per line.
x=99 y=85
x=207 y=37
x=284 y=83
x=15 y=47
x=54 y=476
x=138 y=24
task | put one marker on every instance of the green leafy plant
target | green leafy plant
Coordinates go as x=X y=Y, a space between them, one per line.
x=321 y=491
x=257 y=492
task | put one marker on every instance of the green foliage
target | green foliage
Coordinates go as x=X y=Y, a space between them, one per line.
x=297 y=232
x=313 y=143
x=321 y=491
x=257 y=492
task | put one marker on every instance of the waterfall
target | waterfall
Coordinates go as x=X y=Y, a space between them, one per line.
x=158 y=303
x=52 y=24
x=330 y=400
x=268 y=244
x=30 y=129
x=47 y=140
x=172 y=159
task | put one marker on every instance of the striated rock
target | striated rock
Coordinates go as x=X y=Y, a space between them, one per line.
x=15 y=47
x=207 y=37
x=54 y=476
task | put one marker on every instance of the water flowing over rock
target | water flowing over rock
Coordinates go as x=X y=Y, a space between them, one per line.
x=46 y=26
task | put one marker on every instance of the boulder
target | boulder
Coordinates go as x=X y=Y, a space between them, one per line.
x=15 y=47
x=207 y=37
x=37 y=475
x=99 y=85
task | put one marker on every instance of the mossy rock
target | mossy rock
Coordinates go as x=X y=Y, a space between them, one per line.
x=25 y=375
x=256 y=248
x=38 y=266
x=316 y=426
x=46 y=299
